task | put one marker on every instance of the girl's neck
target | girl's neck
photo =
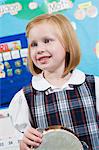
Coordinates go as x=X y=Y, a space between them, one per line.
x=56 y=79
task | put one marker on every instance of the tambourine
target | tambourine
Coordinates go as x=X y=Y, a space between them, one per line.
x=59 y=138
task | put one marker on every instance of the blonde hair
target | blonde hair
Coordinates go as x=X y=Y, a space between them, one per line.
x=66 y=35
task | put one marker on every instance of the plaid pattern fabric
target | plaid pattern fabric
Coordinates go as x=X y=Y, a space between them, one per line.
x=74 y=109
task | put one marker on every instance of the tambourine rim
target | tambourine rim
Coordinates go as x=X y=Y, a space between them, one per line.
x=62 y=129
x=55 y=127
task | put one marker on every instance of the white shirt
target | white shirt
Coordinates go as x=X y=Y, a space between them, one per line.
x=18 y=108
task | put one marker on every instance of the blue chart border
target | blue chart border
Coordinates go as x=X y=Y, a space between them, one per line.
x=10 y=85
x=21 y=37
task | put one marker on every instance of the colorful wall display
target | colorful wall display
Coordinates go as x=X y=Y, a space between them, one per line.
x=13 y=67
x=14 y=16
x=31 y=8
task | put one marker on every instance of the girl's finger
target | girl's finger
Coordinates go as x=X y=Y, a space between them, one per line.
x=23 y=146
x=32 y=137
x=30 y=142
x=35 y=132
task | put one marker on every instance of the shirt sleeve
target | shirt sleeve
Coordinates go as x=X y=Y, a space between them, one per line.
x=97 y=93
x=19 y=112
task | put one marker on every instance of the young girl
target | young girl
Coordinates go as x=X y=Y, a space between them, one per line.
x=58 y=94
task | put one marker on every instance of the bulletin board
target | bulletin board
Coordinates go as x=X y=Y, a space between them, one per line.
x=14 y=72
x=14 y=16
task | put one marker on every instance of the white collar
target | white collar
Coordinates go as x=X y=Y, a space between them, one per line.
x=40 y=83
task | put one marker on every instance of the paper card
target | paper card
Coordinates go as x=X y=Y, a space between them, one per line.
x=24 y=61
x=6 y=56
x=15 y=45
x=15 y=54
x=2 y=74
x=85 y=5
x=1 y=57
x=6 y=127
x=9 y=72
x=23 y=52
x=1 y=66
x=10 y=46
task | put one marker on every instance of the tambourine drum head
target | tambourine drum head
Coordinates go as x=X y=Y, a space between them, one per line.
x=60 y=140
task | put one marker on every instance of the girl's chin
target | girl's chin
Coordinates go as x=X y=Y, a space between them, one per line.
x=45 y=68
x=43 y=64
x=43 y=61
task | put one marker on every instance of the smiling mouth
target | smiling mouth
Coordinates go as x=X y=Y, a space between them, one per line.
x=43 y=59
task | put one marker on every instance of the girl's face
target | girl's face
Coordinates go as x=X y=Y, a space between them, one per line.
x=46 y=51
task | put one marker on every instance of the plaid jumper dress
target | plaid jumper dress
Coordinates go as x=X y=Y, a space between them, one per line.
x=74 y=109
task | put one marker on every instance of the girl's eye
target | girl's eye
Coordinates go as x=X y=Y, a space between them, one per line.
x=47 y=40
x=34 y=44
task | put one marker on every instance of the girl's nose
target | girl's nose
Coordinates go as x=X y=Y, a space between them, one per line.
x=40 y=48
x=40 y=51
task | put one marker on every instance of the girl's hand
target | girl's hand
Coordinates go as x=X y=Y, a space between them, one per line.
x=31 y=138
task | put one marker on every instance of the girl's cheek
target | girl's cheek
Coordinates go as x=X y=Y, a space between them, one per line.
x=33 y=58
x=31 y=53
